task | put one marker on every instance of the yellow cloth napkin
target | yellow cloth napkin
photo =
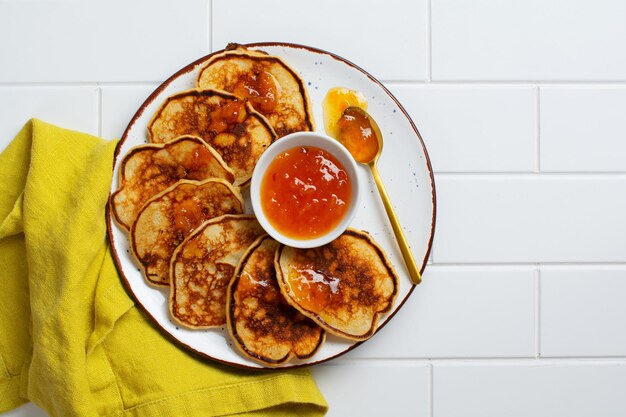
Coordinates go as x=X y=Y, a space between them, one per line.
x=71 y=340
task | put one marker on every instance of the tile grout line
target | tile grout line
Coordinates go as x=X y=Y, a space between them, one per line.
x=419 y=361
x=431 y=389
x=529 y=264
x=429 y=39
x=530 y=174
x=209 y=37
x=70 y=84
x=538 y=138
x=99 y=89
x=538 y=312
x=530 y=361
x=480 y=82
x=432 y=360
x=415 y=82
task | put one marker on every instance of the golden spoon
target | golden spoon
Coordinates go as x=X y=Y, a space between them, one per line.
x=358 y=132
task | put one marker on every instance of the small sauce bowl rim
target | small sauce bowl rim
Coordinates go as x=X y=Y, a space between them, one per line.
x=295 y=140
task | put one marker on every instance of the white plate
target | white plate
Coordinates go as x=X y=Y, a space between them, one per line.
x=404 y=166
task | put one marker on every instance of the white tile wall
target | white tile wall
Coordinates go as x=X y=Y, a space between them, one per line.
x=27 y=410
x=462 y=312
x=387 y=38
x=366 y=389
x=101 y=40
x=119 y=104
x=529 y=388
x=583 y=128
x=475 y=128
x=583 y=311
x=521 y=105
x=73 y=106
x=530 y=218
x=528 y=40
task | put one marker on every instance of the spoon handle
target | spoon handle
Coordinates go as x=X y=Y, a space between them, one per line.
x=414 y=271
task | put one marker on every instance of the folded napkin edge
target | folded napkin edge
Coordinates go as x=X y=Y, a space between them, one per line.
x=238 y=398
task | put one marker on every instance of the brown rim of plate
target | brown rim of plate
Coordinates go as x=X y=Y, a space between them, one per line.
x=190 y=67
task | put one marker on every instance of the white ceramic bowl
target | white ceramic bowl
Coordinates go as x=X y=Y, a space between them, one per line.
x=291 y=141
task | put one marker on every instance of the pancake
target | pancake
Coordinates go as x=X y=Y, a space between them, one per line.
x=274 y=89
x=149 y=169
x=344 y=286
x=170 y=216
x=230 y=125
x=262 y=324
x=202 y=266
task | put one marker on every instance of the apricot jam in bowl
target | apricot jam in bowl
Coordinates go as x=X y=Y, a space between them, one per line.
x=305 y=189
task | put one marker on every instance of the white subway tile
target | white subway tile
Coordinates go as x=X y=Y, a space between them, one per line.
x=119 y=105
x=583 y=311
x=104 y=40
x=475 y=128
x=583 y=128
x=26 y=410
x=388 y=39
x=374 y=389
x=539 y=389
x=74 y=108
x=528 y=40
x=530 y=218
x=462 y=312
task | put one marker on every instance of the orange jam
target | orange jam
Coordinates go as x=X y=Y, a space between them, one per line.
x=197 y=161
x=305 y=192
x=338 y=99
x=314 y=289
x=227 y=116
x=355 y=132
x=187 y=215
x=260 y=88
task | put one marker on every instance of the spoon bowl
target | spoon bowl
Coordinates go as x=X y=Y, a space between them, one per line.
x=375 y=137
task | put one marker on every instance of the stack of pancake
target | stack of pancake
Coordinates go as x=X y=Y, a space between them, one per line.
x=180 y=199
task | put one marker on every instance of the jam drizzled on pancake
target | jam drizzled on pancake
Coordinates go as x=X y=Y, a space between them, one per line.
x=260 y=88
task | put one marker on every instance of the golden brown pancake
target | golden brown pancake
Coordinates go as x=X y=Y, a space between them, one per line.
x=203 y=265
x=262 y=324
x=230 y=125
x=344 y=286
x=147 y=170
x=170 y=216
x=274 y=89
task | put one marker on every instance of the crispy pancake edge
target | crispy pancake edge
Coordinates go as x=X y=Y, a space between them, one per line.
x=234 y=46
x=266 y=123
x=158 y=146
x=243 y=52
x=236 y=192
x=313 y=316
x=230 y=305
x=199 y=230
